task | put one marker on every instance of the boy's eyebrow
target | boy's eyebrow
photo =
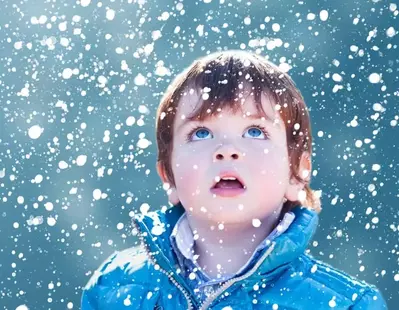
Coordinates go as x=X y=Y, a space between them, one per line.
x=185 y=122
x=252 y=116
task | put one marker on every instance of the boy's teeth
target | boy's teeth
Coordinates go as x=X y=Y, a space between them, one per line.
x=217 y=178
x=219 y=183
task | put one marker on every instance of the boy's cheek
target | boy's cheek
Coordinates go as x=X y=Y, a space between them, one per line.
x=188 y=173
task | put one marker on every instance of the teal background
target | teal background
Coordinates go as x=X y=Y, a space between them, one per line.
x=44 y=266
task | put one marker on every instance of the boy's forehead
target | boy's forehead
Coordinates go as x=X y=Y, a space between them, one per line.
x=191 y=100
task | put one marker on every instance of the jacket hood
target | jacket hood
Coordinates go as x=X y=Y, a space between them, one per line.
x=156 y=227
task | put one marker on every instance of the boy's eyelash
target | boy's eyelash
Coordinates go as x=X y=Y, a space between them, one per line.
x=188 y=136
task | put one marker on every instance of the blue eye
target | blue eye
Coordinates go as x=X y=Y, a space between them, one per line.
x=201 y=133
x=255 y=131
x=197 y=133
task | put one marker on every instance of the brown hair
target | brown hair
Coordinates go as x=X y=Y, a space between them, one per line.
x=221 y=73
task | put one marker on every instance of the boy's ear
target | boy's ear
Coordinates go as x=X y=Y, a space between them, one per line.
x=295 y=187
x=171 y=192
x=161 y=172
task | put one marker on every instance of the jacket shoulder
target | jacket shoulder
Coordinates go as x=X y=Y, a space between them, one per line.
x=123 y=279
x=358 y=293
x=120 y=267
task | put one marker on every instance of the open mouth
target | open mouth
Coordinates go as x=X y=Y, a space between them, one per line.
x=229 y=183
x=228 y=186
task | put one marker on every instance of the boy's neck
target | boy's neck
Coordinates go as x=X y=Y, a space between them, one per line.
x=239 y=241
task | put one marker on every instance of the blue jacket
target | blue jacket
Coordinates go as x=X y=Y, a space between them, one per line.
x=284 y=278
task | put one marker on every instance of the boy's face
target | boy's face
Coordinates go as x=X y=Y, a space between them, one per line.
x=231 y=142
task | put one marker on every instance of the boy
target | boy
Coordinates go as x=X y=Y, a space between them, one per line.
x=234 y=154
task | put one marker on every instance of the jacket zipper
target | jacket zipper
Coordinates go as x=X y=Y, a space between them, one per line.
x=168 y=274
x=229 y=283
x=219 y=291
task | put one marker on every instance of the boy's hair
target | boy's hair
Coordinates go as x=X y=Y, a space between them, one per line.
x=220 y=74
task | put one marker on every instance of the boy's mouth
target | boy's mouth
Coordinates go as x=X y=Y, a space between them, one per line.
x=228 y=186
x=228 y=181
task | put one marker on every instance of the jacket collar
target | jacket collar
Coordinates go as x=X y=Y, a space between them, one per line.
x=156 y=228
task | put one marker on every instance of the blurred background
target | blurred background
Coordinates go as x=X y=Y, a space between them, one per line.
x=80 y=82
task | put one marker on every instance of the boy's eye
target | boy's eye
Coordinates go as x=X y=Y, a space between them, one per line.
x=199 y=133
x=254 y=131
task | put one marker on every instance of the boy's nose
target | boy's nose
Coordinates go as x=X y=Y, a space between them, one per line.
x=227 y=152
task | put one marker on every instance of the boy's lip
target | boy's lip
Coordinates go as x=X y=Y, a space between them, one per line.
x=228 y=173
x=227 y=192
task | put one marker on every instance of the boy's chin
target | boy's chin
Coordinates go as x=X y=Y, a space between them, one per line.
x=224 y=215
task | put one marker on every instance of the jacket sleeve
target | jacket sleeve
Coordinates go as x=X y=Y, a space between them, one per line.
x=115 y=286
x=372 y=299
x=89 y=300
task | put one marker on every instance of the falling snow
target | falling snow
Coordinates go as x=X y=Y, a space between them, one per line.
x=35 y=132
x=80 y=84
